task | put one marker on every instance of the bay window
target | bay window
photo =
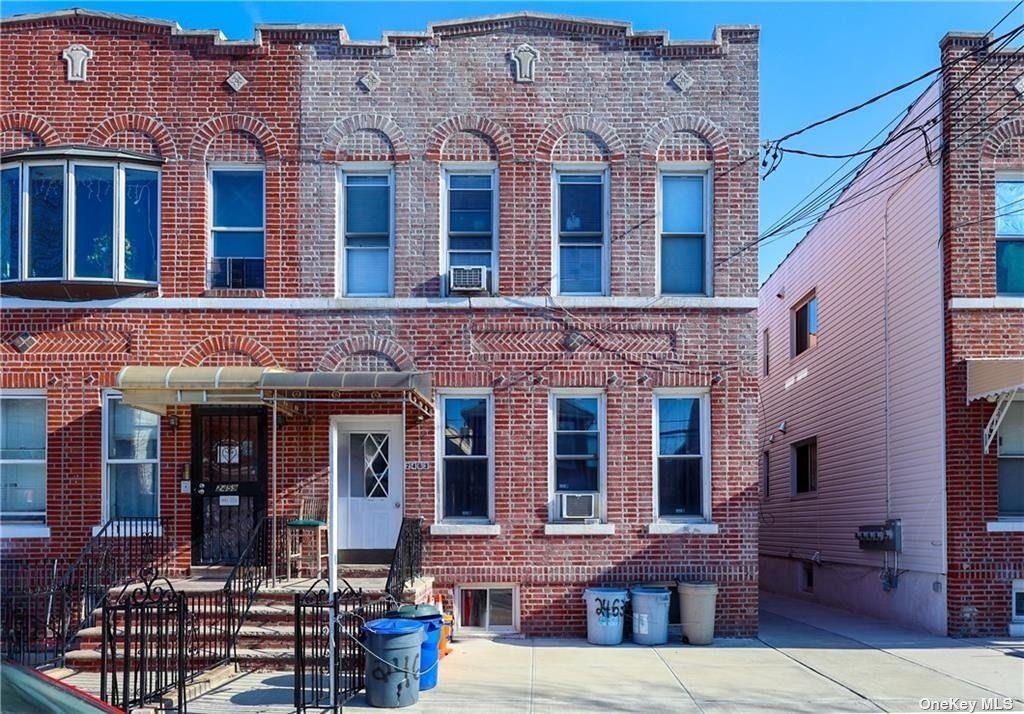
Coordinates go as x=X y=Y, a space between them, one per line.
x=77 y=220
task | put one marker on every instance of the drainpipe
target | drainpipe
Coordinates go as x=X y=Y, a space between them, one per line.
x=273 y=494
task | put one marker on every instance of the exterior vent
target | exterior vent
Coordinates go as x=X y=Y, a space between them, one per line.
x=467 y=278
x=578 y=506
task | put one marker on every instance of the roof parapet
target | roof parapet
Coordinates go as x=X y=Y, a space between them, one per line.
x=435 y=32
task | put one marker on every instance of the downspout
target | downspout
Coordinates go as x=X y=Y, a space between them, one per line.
x=273 y=493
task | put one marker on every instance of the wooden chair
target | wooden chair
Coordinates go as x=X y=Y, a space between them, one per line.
x=312 y=520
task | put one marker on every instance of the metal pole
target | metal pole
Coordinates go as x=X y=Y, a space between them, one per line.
x=273 y=494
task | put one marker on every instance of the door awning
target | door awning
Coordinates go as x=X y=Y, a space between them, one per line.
x=153 y=389
x=413 y=387
x=991 y=378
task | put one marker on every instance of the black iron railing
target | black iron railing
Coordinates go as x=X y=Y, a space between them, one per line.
x=45 y=605
x=321 y=617
x=407 y=562
x=144 y=645
x=251 y=571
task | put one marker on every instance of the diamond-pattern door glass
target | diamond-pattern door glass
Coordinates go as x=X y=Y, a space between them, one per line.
x=369 y=462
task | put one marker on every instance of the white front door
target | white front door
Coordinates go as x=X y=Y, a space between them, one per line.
x=369 y=472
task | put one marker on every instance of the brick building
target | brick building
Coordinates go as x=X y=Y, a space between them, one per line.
x=489 y=275
x=892 y=346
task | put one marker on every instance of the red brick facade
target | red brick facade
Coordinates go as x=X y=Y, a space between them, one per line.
x=602 y=94
x=984 y=135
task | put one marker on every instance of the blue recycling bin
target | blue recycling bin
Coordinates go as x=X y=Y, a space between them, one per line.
x=432 y=620
x=393 y=662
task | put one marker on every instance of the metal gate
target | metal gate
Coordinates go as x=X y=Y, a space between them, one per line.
x=229 y=481
x=144 y=643
x=326 y=621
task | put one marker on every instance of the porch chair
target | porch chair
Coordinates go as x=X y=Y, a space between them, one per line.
x=312 y=520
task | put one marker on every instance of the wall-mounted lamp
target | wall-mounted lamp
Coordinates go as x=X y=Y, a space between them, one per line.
x=173 y=421
x=781 y=294
x=781 y=427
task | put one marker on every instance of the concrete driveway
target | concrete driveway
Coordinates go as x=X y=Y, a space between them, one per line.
x=806 y=659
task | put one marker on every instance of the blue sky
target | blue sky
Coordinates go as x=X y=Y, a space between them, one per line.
x=816 y=57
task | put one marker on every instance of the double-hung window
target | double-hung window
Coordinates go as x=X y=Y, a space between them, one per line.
x=131 y=452
x=23 y=458
x=367 y=221
x=685 y=245
x=1010 y=237
x=467 y=455
x=683 y=465
x=237 y=235
x=1011 y=463
x=470 y=223
x=577 y=449
x=805 y=325
x=805 y=466
x=582 y=232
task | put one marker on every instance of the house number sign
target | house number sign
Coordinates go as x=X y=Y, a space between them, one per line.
x=419 y=466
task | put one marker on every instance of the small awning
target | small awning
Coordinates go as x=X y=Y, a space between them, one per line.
x=414 y=387
x=990 y=378
x=153 y=389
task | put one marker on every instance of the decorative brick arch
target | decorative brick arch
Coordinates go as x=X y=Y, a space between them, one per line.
x=338 y=353
x=584 y=125
x=701 y=126
x=135 y=122
x=257 y=128
x=25 y=122
x=229 y=344
x=1000 y=134
x=330 y=147
x=473 y=123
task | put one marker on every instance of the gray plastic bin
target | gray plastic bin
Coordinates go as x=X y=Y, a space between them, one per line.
x=393 y=662
x=606 y=609
x=650 y=614
x=697 y=612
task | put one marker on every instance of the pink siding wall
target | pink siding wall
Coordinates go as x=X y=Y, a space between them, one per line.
x=874 y=260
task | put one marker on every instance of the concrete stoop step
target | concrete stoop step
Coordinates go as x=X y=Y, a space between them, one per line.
x=202 y=684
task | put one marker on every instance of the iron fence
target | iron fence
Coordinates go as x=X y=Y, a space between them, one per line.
x=326 y=622
x=144 y=644
x=407 y=561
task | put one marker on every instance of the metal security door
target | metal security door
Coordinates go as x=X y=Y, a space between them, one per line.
x=229 y=481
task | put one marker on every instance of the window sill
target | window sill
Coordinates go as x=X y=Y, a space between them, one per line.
x=465 y=529
x=129 y=530
x=24 y=530
x=1005 y=526
x=683 y=528
x=574 y=529
x=234 y=293
x=1004 y=302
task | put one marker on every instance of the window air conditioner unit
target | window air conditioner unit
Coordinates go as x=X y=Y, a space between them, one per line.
x=578 y=506
x=467 y=278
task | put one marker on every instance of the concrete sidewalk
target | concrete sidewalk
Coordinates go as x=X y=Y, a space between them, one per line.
x=807 y=659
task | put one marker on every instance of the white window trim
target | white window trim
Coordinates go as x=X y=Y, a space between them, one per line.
x=810 y=295
x=463 y=526
x=16 y=529
x=68 y=223
x=372 y=168
x=107 y=396
x=1016 y=626
x=687 y=168
x=210 y=228
x=556 y=272
x=471 y=168
x=486 y=631
x=561 y=527
x=1014 y=176
x=704 y=396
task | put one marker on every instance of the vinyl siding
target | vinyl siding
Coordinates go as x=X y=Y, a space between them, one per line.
x=887 y=222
